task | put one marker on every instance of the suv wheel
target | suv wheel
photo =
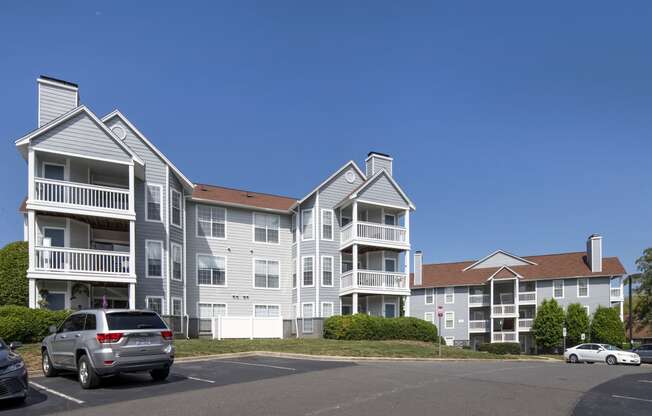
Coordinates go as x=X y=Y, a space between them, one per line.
x=46 y=365
x=160 y=374
x=87 y=376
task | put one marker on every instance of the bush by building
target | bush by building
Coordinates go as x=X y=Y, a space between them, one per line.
x=501 y=348
x=13 y=274
x=606 y=327
x=365 y=327
x=20 y=323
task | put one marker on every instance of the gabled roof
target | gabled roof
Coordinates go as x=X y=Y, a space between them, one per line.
x=544 y=267
x=141 y=136
x=337 y=172
x=504 y=273
x=241 y=198
x=67 y=116
x=371 y=180
x=482 y=260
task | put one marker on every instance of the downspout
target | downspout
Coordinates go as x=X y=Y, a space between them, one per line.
x=317 y=264
x=298 y=269
x=167 y=232
x=183 y=271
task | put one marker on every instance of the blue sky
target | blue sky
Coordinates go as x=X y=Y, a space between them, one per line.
x=513 y=126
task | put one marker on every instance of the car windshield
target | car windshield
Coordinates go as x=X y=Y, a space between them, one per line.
x=611 y=347
x=134 y=320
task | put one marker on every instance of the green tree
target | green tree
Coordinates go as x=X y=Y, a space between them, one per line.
x=548 y=324
x=606 y=327
x=577 y=323
x=643 y=306
x=13 y=274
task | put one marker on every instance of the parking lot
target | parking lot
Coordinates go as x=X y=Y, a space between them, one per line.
x=279 y=386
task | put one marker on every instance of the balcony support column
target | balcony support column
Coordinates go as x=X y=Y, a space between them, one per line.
x=354 y=256
x=354 y=303
x=491 y=310
x=132 y=186
x=32 y=293
x=132 y=248
x=132 y=296
x=516 y=306
x=354 y=220
x=31 y=239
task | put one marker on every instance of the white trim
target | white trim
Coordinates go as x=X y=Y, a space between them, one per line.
x=65 y=166
x=397 y=313
x=516 y=275
x=303 y=235
x=197 y=255
x=425 y=295
x=355 y=194
x=332 y=224
x=432 y=318
x=446 y=302
x=378 y=204
x=501 y=252
x=161 y=298
x=57 y=84
x=303 y=322
x=253 y=228
x=235 y=205
x=303 y=265
x=213 y=304
x=321 y=269
x=80 y=156
x=160 y=202
x=210 y=237
x=147 y=242
x=447 y=313
x=379 y=156
x=587 y=287
x=172 y=193
x=346 y=165
x=332 y=309
x=267 y=305
x=563 y=288
x=174 y=245
x=66 y=236
x=253 y=273
x=172 y=306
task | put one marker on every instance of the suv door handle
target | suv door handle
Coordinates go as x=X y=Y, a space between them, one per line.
x=77 y=335
x=62 y=336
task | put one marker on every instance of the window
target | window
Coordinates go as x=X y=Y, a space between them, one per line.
x=57 y=236
x=154 y=304
x=326 y=271
x=347 y=262
x=344 y=219
x=266 y=228
x=267 y=311
x=208 y=311
x=582 y=288
x=449 y=320
x=430 y=296
x=72 y=324
x=429 y=316
x=294 y=272
x=175 y=202
x=54 y=171
x=211 y=270
x=307 y=271
x=307 y=318
x=293 y=228
x=307 y=225
x=390 y=265
x=347 y=309
x=153 y=204
x=326 y=309
x=327 y=224
x=449 y=295
x=154 y=251
x=390 y=219
x=390 y=310
x=266 y=274
x=177 y=262
x=177 y=307
x=91 y=323
x=557 y=289
x=211 y=221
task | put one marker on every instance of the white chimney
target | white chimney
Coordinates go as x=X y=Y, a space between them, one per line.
x=594 y=252
x=375 y=162
x=55 y=97
x=418 y=268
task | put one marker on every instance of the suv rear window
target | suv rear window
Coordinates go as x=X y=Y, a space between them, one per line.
x=134 y=320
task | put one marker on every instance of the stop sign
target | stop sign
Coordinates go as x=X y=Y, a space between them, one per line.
x=440 y=311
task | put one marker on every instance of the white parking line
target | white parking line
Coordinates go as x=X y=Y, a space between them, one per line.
x=200 y=379
x=631 y=398
x=645 y=381
x=260 y=365
x=56 y=393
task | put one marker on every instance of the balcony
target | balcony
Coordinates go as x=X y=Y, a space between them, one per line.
x=500 y=311
x=504 y=337
x=56 y=262
x=527 y=298
x=525 y=324
x=74 y=197
x=372 y=281
x=479 y=326
x=615 y=294
x=479 y=300
x=374 y=234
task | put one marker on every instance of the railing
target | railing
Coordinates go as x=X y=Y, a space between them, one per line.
x=81 y=195
x=525 y=323
x=482 y=299
x=504 y=337
x=527 y=297
x=347 y=232
x=374 y=232
x=479 y=325
x=59 y=259
x=371 y=279
x=346 y=280
x=504 y=310
x=615 y=292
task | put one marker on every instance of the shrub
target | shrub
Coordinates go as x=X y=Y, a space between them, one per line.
x=13 y=274
x=501 y=348
x=548 y=325
x=19 y=323
x=577 y=323
x=606 y=327
x=365 y=327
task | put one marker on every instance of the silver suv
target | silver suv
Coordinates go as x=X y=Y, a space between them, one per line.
x=104 y=342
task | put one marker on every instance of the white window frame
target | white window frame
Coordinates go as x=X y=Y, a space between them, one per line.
x=176 y=298
x=226 y=308
x=267 y=261
x=332 y=224
x=160 y=202
x=226 y=273
x=303 y=266
x=174 y=192
x=226 y=220
x=322 y=269
x=174 y=246
x=160 y=298
x=449 y=291
x=395 y=309
x=385 y=215
x=253 y=228
x=304 y=318
x=432 y=317
x=342 y=216
x=303 y=234
x=425 y=297
x=267 y=306
x=66 y=177
x=66 y=241
x=160 y=243
x=393 y=260
x=563 y=289
x=323 y=315
x=449 y=313
x=587 y=287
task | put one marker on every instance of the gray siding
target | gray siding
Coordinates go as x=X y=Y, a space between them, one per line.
x=460 y=307
x=598 y=293
x=54 y=101
x=383 y=192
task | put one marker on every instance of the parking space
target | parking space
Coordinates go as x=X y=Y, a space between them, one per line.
x=629 y=394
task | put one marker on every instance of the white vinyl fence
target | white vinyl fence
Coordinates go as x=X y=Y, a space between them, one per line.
x=224 y=327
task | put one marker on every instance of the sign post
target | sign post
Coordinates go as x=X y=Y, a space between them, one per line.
x=440 y=313
x=564 y=334
x=583 y=336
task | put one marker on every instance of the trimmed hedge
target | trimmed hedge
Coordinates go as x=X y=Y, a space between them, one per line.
x=13 y=274
x=364 y=327
x=501 y=348
x=19 y=323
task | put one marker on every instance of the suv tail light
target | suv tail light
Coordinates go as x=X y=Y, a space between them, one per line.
x=167 y=335
x=106 y=338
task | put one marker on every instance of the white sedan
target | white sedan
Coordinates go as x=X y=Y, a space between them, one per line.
x=591 y=353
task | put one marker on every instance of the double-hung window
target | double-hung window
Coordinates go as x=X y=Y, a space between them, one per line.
x=177 y=261
x=429 y=316
x=308 y=310
x=582 y=288
x=175 y=207
x=211 y=221
x=153 y=197
x=430 y=296
x=267 y=311
x=326 y=271
x=211 y=270
x=449 y=320
x=266 y=274
x=390 y=219
x=308 y=275
x=154 y=304
x=307 y=225
x=347 y=262
x=327 y=224
x=558 y=289
x=294 y=272
x=266 y=228
x=154 y=255
x=326 y=309
x=208 y=311
x=449 y=295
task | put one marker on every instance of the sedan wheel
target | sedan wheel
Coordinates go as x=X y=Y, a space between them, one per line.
x=573 y=359
x=611 y=360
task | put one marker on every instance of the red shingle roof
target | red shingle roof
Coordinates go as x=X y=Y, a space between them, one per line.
x=244 y=198
x=549 y=266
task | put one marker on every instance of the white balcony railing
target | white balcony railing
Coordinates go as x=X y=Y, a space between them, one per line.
x=525 y=324
x=527 y=297
x=504 y=337
x=479 y=325
x=615 y=293
x=479 y=300
x=500 y=310
x=371 y=279
x=374 y=232
x=346 y=280
x=81 y=195
x=59 y=259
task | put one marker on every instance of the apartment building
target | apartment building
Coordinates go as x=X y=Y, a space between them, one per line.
x=110 y=221
x=494 y=299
